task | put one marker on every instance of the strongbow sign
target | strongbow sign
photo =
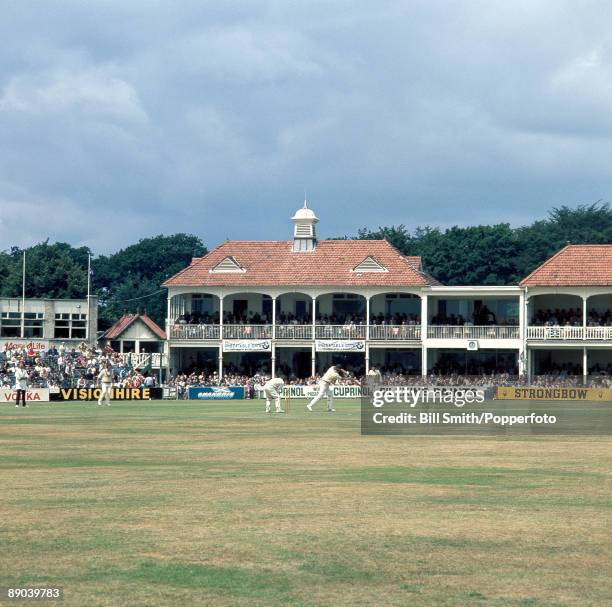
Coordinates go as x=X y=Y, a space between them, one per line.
x=604 y=394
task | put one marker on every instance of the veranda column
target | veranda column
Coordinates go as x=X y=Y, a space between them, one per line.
x=313 y=361
x=220 y=337
x=273 y=368
x=585 y=366
x=165 y=352
x=168 y=308
x=367 y=323
x=273 y=321
x=522 y=335
x=367 y=357
x=529 y=366
x=314 y=315
x=584 y=316
x=424 y=335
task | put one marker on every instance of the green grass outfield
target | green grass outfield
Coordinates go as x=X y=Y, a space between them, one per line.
x=217 y=503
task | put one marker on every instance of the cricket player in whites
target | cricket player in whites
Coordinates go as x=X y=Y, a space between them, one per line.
x=105 y=380
x=332 y=375
x=374 y=378
x=273 y=389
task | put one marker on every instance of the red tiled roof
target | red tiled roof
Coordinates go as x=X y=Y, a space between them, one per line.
x=575 y=265
x=127 y=320
x=414 y=260
x=273 y=263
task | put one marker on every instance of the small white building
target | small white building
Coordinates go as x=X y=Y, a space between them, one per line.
x=139 y=339
x=135 y=333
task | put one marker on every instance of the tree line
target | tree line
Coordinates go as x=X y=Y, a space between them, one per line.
x=131 y=278
x=498 y=254
x=124 y=281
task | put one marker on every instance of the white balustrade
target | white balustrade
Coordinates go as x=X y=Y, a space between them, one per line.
x=470 y=332
x=340 y=331
x=293 y=331
x=247 y=331
x=395 y=332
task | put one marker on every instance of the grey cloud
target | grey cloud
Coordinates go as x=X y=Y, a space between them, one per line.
x=129 y=119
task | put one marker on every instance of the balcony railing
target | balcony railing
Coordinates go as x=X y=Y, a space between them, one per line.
x=293 y=331
x=598 y=333
x=194 y=332
x=340 y=331
x=247 y=331
x=214 y=332
x=466 y=332
x=569 y=333
x=377 y=332
x=395 y=332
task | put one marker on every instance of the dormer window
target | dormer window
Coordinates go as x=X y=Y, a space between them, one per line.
x=228 y=265
x=369 y=264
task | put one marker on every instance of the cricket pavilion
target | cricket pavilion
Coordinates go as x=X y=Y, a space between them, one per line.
x=296 y=306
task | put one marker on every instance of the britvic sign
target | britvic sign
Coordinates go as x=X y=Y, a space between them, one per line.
x=247 y=345
x=340 y=345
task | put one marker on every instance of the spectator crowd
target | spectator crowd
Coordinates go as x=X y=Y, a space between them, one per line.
x=183 y=381
x=571 y=317
x=69 y=367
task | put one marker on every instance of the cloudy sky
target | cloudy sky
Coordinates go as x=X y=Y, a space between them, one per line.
x=120 y=120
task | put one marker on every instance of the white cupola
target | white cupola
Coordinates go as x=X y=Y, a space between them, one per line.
x=304 y=236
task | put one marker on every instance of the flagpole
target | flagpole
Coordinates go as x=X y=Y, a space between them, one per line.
x=23 y=287
x=88 y=297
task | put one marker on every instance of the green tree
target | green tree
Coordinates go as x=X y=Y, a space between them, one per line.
x=52 y=270
x=124 y=279
x=497 y=254
x=121 y=280
x=585 y=224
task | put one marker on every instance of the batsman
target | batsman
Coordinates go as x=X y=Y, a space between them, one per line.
x=332 y=375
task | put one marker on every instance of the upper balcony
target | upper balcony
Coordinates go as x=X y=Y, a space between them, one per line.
x=289 y=317
x=567 y=317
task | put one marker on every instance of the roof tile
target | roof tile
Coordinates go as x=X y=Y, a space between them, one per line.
x=126 y=321
x=273 y=263
x=578 y=265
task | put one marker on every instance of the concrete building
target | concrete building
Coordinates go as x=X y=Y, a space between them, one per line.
x=47 y=322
